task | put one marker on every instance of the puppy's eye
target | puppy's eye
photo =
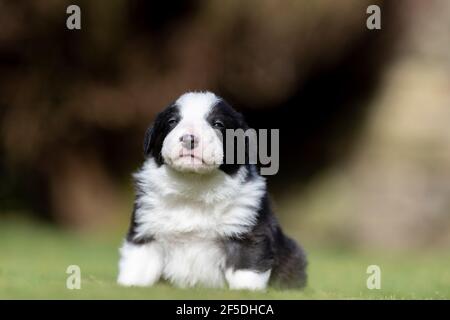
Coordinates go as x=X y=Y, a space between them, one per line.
x=172 y=121
x=218 y=124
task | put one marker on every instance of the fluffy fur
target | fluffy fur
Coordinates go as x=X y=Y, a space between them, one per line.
x=198 y=220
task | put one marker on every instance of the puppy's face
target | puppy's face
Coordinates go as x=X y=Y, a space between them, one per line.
x=189 y=134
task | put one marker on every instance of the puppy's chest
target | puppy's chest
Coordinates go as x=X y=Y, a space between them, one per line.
x=175 y=218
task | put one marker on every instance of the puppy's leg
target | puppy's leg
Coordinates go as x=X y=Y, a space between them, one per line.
x=140 y=264
x=249 y=263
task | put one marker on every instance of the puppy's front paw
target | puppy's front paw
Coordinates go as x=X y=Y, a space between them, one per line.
x=245 y=279
x=140 y=265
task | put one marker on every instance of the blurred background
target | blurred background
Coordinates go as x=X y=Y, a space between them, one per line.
x=364 y=115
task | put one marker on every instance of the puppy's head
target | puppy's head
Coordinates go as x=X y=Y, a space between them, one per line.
x=189 y=134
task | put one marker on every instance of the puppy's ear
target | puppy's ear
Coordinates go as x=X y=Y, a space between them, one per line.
x=148 y=141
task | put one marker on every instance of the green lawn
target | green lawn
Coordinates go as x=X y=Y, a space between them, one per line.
x=33 y=262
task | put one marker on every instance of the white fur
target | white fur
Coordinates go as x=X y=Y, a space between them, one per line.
x=247 y=279
x=140 y=265
x=195 y=104
x=194 y=107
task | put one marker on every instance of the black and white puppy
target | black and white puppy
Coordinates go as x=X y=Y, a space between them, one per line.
x=198 y=220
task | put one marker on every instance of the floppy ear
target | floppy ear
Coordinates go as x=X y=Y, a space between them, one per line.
x=148 y=141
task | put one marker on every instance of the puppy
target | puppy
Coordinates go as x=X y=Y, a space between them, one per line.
x=198 y=220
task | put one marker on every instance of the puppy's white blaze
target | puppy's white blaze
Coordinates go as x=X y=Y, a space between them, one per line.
x=247 y=279
x=140 y=265
x=196 y=105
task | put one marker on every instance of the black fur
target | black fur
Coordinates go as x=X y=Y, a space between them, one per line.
x=132 y=234
x=231 y=119
x=155 y=135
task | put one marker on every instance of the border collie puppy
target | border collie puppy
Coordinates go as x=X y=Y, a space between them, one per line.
x=198 y=220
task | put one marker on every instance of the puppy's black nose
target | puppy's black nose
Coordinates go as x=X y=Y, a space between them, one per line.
x=189 y=141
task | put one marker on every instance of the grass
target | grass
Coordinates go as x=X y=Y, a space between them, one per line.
x=34 y=259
